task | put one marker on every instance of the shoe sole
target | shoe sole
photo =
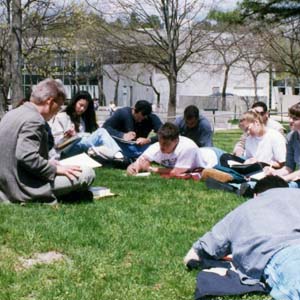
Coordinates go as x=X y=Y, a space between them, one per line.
x=216 y=174
x=218 y=185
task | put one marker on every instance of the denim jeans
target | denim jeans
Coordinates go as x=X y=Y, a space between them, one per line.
x=132 y=151
x=282 y=274
x=97 y=138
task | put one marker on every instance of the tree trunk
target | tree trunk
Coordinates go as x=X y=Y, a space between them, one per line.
x=2 y=105
x=255 y=88
x=16 y=53
x=172 y=98
x=116 y=96
x=223 y=106
x=102 y=98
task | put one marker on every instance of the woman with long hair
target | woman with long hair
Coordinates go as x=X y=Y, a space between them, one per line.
x=79 y=119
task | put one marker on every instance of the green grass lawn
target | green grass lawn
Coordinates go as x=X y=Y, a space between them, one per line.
x=126 y=247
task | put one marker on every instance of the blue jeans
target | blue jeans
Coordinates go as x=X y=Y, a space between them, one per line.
x=218 y=152
x=294 y=184
x=282 y=274
x=132 y=151
x=97 y=138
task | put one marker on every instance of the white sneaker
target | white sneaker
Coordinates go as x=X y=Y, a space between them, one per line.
x=119 y=155
x=102 y=151
x=192 y=254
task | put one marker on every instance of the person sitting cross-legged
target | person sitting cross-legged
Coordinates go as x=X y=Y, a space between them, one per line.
x=79 y=119
x=131 y=128
x=26 y=173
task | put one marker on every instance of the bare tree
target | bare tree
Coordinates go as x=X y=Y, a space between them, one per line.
x=283 y=49
x=253 y=60
x=162 y=33
x=28 y=21
x=16 y=51
x=4 y=57
x=227 y=51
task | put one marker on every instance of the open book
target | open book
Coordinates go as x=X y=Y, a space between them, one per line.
x=64 y=142
x=80 y=160
x=118 y=139
x=258 y=176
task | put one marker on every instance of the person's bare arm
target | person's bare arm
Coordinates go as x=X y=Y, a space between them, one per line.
x=141 y=164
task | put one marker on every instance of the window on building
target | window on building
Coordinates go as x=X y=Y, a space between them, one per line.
x=281 y=90
x=296 y=91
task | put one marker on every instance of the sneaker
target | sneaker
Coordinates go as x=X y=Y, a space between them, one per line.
x=216 y=174
x=191 y=255
x=245 y=190
x=119 y=156
x=102 y=151
x=214 y=184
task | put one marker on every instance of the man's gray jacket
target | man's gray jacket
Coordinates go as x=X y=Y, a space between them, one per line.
x=25 y=172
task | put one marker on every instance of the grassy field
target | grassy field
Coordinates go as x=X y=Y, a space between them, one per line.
x=126 y=247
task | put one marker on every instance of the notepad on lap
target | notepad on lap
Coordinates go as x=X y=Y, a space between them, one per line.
x=80 y=160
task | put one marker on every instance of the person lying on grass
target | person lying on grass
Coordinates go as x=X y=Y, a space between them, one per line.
x=263 y=237
x=176 y=154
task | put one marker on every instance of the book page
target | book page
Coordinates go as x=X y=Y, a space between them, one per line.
x=233 y=163
x=80 y=160
x=258 y=176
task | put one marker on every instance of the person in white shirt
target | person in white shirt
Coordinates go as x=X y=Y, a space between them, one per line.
x=176 y=154
x=262 y=109
x=262 y=144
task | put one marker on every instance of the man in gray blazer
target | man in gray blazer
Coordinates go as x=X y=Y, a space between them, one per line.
x=26 y=173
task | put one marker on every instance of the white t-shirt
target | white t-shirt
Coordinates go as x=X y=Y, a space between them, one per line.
x=186 y=155
x=274 y=125
x=270 y=147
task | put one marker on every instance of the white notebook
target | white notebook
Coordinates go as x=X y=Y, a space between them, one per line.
x=80 y=160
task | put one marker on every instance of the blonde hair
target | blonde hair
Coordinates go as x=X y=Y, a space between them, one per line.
x=252 y=116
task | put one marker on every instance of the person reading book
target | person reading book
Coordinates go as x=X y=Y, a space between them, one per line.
x=26 y=173
x=176 y=154
x=263 y=145
x=79 y=120
x=260 y=108
x=133 y=124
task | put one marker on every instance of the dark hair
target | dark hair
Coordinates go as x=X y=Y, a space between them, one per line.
x=260 y=104
x=294 y=111
x=144 y=107
x=168 y=131
x=88 y=117
x=269 y=182
x=191 y=112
